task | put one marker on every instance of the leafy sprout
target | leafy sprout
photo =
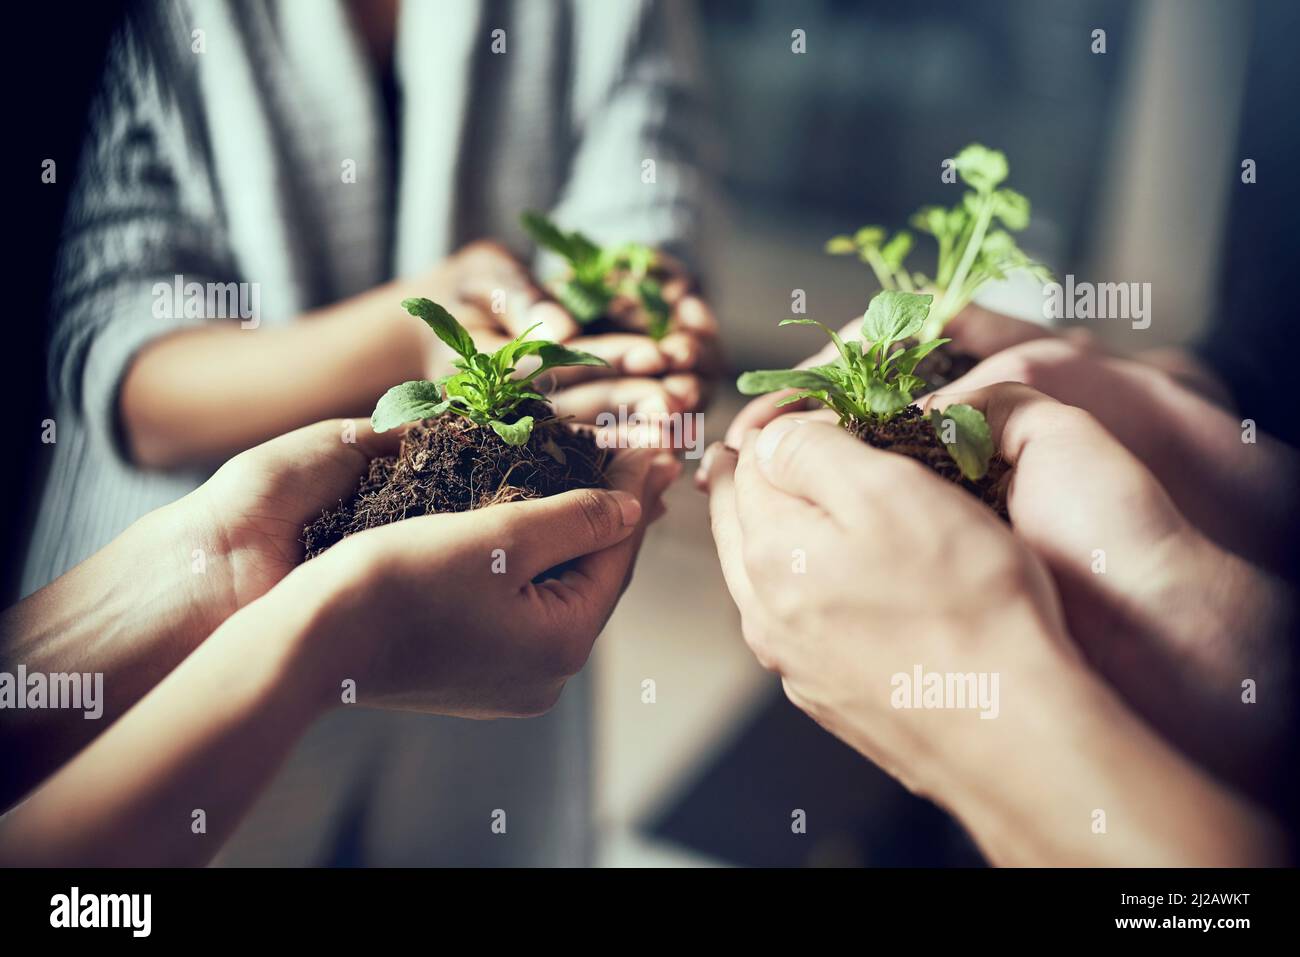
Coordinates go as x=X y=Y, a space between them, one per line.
x=598 y=274
x=973 y=250
x=485 y=390
x=872 y=382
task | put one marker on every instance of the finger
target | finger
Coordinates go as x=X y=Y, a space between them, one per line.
x=495 y=281
x=686 y=392
x=692 y=314
x=682 y=350
x=586 y=402
x=545 y=532
x=762 y=410
x=583 y=597
x=769 y=513
x=823 y=464
x=627 y=354
x=719 y=465
x=313 y=467
x=1018 y=416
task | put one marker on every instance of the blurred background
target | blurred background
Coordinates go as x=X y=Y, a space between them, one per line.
x=1131 y=158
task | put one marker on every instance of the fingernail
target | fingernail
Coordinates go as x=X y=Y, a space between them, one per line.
x=628 y=506
x=710 y=456
x=772 y=435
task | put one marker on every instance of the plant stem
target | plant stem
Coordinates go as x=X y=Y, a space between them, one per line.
x=878 y=266
x=939 y=318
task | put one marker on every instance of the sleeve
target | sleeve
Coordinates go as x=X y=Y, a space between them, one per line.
x=645 y=158
x=142 y=213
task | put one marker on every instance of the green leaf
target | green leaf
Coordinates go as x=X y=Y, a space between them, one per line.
x=553 y=354
x=1012 y=208
x=408 y=402
x=585 y=301
x=972 y=442
x=546 y=234
x=656 y=307
x=762 y=381
x=885 y=399
x=869 y=236
x=516 y=433
x=981 y=167
x=930 y=219
x=893 y=315
x=821 y=395
x=896 y=250
x=505 y=358
x=841 y=245
x=443 y=324
x=905 y=360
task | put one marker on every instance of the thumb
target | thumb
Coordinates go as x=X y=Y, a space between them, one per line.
x=545 y=532
x=822 y=463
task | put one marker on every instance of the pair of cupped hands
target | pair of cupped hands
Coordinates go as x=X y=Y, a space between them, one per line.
x=1131 y=610
x=447 y=613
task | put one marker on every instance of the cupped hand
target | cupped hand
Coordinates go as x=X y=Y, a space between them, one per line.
x=494 y=296
x=455 y=613
x=1174 y=622
x=1241 y=489
x=851 y=565
x=246 y=521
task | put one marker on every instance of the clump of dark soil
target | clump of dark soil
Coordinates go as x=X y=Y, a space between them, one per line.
x=942 y=366
x=448 y=464
x=910 y=433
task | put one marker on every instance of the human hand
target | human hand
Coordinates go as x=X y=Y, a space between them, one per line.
x=1242 y=495
x=905 y=573
x=449 y=613
x=493 y=295
x=1174 y=622
x=851 y=565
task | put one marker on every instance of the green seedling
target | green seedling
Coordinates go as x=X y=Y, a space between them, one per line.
x=871 y=382
x=485 y=390
x=975 y=246
x=598 y=274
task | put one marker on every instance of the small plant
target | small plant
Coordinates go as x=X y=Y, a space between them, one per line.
x=972 y=251
x=869 y=384
x=597 y=275
x=485 y=390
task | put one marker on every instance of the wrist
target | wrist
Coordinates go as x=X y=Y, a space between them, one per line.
x=320 y=615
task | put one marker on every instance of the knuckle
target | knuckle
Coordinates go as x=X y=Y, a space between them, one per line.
x=762 y=649
x=597 y=514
